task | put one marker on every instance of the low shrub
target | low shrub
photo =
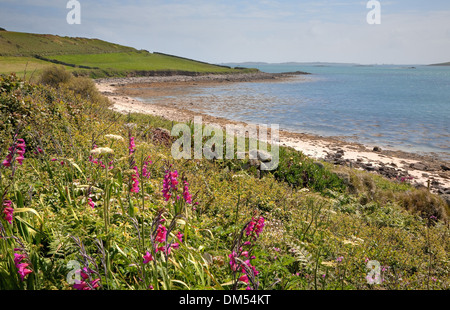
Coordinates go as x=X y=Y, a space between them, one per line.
x=54 y=76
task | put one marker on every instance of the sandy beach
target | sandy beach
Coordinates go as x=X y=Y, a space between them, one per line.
x=420 y=170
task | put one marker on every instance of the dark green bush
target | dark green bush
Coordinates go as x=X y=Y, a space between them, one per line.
x=300 y=171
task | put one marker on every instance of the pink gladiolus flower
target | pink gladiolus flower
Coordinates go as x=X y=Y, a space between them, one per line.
x=148 y=258
x=16 y=148
x=145 y=173
x=244 y=278
x=170 y=182
x=180 y=237
x=132 y=146
x=23 y=271
x=8 y=211
x=234 y=266
x=175 y=246
x=91 y=203
x=255 y=226
x=161 y=234
x=186 y=195
x=81 y=286
x=95 y=283
x=135 y=179
x=18 y=258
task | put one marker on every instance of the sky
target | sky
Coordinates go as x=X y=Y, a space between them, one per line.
x=222 y=31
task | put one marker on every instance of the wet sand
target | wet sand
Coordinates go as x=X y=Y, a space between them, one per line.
x=420 y=169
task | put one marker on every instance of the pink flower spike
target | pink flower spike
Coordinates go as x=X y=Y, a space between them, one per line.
x=148 y=258
x=81 y=286
x=244 y=278
x=8 y=214
x=95 y=284
x=161 y=234
x=91 y=203
x=180 y=236
x=18 y=258
x=23 y=271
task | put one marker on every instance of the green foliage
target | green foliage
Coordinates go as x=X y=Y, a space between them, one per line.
x=54 y=76
x=319 y=231
x=300 y=171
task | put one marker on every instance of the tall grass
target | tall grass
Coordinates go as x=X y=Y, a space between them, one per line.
x=87 y=215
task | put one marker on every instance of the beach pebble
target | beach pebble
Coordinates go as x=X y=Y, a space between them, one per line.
x=377 y=149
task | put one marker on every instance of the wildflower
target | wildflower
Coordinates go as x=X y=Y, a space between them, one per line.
x=161 y=234
x=114 y=137
x=135 y=179
x=8 y=211
x=21 y=267
x=145 y=173
x=255 y=226
x=83 y=285
x=244 y=278
x=170 y=182
x=91 y=203
x=249 y=228
x=148 y=258
x=54 y=159
x=16 y=148
x=23 y=271
x=234 y=266
x=132 y=145
x=339 y=259
x=102 y=150
x=180 y=236
x=186 y=195
x=18 y=258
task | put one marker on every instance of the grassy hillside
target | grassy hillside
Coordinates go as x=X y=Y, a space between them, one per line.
x=29 y=44
x=99 y=188
x=92 y=57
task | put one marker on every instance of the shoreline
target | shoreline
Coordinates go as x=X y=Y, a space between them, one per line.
x=390 y=163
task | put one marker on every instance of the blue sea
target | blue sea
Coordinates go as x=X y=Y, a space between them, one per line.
x=392 y=106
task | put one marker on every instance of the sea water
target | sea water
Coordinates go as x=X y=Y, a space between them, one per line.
x=392 y=106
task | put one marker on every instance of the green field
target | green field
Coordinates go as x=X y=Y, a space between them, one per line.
x=140 y=61
x=18 y=54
